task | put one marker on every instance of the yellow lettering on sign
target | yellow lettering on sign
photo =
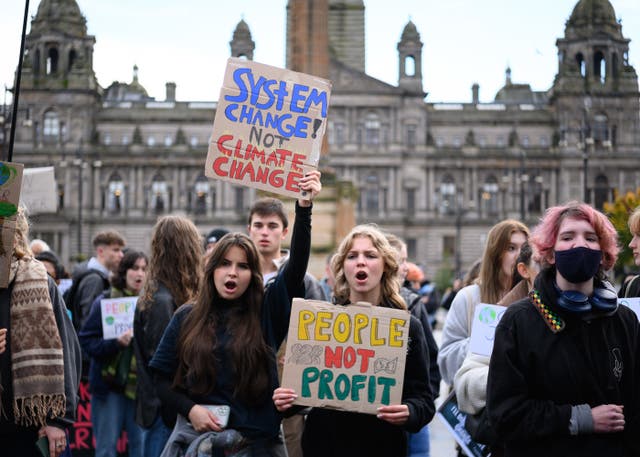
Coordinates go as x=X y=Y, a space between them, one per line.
x=395 y=332
x=305 y=318
x=342 y=328
x=375 y=339
x=360 y=322
x=323 y=321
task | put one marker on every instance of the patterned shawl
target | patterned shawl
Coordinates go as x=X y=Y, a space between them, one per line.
x=37 y=363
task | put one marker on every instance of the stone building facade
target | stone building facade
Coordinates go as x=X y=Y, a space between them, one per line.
x=437 y=174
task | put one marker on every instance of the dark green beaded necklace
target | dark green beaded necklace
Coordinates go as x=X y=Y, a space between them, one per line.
x=553 y=321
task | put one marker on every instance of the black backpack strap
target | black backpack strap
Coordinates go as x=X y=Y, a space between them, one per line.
x=71 y=299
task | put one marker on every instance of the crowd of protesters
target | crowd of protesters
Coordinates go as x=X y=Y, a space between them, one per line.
x=212 y=316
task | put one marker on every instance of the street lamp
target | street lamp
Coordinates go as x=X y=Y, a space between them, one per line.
x=524 y=179
x=80 y=164
x=460 y=211
x=458 y=241
x=505 y=183
x=587 y=143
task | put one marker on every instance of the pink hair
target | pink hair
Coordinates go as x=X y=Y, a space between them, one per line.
x=545 y=234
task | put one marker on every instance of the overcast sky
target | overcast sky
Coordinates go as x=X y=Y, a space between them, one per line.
x=187 y=41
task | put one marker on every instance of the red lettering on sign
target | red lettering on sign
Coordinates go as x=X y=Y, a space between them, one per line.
x=84 y=412
x=336 y=358
x=81 y=439
x=293 y=182
x=84 y=391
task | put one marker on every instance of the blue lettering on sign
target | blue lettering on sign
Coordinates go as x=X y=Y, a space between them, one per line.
x=255 y=95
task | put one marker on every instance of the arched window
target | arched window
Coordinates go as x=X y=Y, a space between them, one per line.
x=201 y=194
x=410 y=66
x=115 y=198
x=614 y=65
x=535 y=195
x=448 y=193
x=51 y=126
x=73 y=55
x=411 y=135
x=600 y=128
x=371 y=195
x=36 y=62
x=601 y=192
x=52 y=61
x=239 y=199
x=411 y=200
x=489 y=196
x=159 y=194
x=60 y=196
x=372 y=129
x=600 y=66
x=582 y=67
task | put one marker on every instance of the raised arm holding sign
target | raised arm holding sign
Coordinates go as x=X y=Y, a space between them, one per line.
x=219 y=351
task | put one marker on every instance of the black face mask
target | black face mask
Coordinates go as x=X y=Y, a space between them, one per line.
x=578 y=265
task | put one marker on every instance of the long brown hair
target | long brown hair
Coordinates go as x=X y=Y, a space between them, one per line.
x=250 y=355
x=389 y=283
x=175 y=261
x=490 y=278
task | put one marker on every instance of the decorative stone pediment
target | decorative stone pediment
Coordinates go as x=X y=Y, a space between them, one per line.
x=349 y=80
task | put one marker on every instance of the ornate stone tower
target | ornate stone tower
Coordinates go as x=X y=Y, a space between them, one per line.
x=59 y=88
x=307 y=37
x=596 y=89
x=242 y=45
x=346 y=32
x=595 y=101
x=310 y=28
x=410 y=59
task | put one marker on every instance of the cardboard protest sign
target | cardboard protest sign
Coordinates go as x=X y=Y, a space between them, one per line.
x=10 y=184
x=631 y=302
x=117 y=316
x=269 y=127
x=39 y=192
x=454 y=420
x=346 y=357
x=483 y=328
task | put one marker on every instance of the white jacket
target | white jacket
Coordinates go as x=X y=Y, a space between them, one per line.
x=456 y=332
x=470 y=383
